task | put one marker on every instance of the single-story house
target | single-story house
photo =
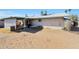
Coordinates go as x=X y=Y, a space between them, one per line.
x=52 y=21
x=11 y=21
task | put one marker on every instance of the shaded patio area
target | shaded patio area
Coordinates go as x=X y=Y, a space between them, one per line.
x=31 y=29
x=76 y=29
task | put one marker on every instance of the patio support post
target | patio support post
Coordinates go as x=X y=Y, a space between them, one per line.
x=24 y=23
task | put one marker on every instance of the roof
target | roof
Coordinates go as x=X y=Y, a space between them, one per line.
x=39 y=17
x=49 y=16
x=12 y=18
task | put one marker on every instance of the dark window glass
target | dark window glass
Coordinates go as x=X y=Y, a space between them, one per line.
x=39 y=20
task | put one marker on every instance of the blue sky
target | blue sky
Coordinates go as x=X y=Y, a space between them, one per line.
x=31 y=12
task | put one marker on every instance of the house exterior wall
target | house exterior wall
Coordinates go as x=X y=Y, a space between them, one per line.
x=50 y=22
x=1 y=24
x=9 y=22
x=78 y=23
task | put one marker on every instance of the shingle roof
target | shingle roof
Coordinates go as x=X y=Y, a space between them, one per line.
x=38 y=17
x=49 y=16
x=12 y=18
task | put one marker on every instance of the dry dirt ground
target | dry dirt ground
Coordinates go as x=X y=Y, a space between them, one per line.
x=46 y=38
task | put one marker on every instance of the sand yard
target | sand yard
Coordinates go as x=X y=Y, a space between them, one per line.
x=46 y=38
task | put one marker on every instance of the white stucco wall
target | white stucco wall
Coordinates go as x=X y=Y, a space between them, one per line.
x=1 y=23
x=78 y=23
x=51 y=22
x=9 y=22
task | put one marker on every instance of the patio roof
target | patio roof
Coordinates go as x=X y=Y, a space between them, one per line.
x=12 y=18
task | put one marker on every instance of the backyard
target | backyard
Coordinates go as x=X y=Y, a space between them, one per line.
x=44 y=38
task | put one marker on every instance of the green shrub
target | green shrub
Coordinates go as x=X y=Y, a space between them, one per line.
x=68 y=25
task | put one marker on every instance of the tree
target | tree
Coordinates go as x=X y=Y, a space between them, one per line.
x=41 y=12
x=68 y=25
x=71 y=23
x=44 y=12
x=74 y=19
x=67 y=10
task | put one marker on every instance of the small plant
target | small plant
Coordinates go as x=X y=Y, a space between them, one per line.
x=71 y=23
x=68 y=25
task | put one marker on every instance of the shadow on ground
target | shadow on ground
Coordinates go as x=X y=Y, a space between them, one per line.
x=75 y=29
x=31 y=29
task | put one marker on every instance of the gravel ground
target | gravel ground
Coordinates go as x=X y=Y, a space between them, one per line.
x=45 y=38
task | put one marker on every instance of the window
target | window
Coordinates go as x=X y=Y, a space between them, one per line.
x=39 y=20
x=1 y=23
